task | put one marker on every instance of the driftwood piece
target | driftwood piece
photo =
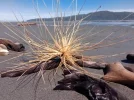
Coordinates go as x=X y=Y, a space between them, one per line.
x=12 y=46
x=99 y=65
x=116 y=72
x=26 y=23
x=3 y=50
x=93 y=89
x=91 y=64
x=130 y=57
x=51 y=64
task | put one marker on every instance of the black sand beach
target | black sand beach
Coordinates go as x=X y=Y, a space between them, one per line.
x=27 y=90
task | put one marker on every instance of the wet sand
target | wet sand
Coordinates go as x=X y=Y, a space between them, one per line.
x=27 y=90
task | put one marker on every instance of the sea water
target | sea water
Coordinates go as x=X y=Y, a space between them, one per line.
x=110 y=23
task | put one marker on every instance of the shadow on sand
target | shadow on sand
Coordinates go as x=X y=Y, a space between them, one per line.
x=128 y=61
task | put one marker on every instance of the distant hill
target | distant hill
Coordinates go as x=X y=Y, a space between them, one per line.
x=101 y=15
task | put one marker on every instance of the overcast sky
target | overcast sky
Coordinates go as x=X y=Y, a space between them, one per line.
x=28 y=8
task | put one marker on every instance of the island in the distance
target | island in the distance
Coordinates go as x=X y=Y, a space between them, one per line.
x=95 y=16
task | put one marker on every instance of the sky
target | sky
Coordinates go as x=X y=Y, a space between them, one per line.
x=13 y=10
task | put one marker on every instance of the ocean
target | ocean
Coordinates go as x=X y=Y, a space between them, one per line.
x=97 y=23
x=110 y=23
